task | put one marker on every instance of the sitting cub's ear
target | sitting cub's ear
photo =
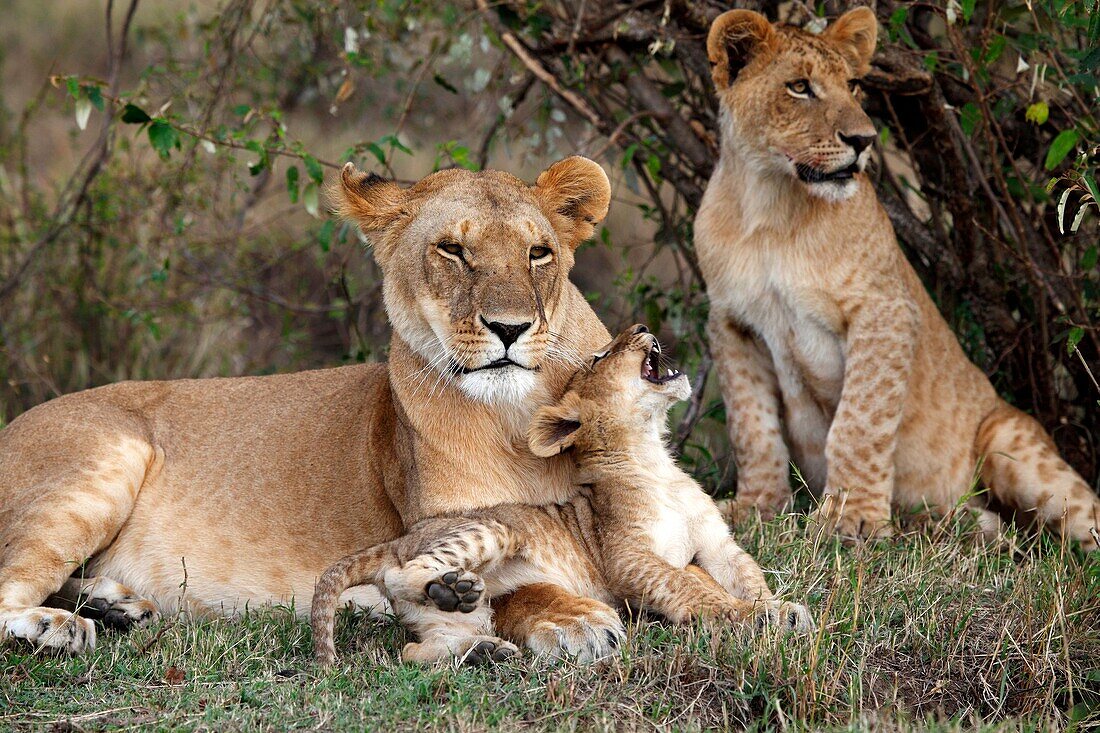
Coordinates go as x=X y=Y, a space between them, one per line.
x=369 y=200
x=574 y=195
x=855 y=33
x=553 y=428
x=737 y=37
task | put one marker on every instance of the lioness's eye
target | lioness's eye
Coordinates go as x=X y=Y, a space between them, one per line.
x=451 y=247
x=800 y=88
x=853 y=85
x=539 y=253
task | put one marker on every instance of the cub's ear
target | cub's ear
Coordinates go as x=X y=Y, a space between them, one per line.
x=369 y=200
x=574 y=195
x=554 y=428
x=855 y=33
x=737 y=37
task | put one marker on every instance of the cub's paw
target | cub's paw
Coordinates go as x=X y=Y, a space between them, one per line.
x=49 y=628
x=471 y=650
x=785 y=617
x=850 y=520
x=456 y=590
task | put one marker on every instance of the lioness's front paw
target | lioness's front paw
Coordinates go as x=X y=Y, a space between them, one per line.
x=456 y=590
x=857 y=520
x=473 y=650
x=785 y=616
x=49 y=628
x=588 y=634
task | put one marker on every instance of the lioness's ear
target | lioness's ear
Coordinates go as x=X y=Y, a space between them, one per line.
x=367 y=199
x=574 y=194
x=554 y=428
x=855 y=33
x=736 y=37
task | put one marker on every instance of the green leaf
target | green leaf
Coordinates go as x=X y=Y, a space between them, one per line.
x=1037 y=113
x=95 y=96
x=163 y=137
x=292 y=183
x=311 y=199
x=1075 y=335
x=1088 y=260
x=897 y=20
x=134 y=115
x=377 y=152
x=73 y=86
x=1060 y=148
x=969 y=118
x=324 y=237
x=967 y=9
x=1094 y=190
x=314 y=169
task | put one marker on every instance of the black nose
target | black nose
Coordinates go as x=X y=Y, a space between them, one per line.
x=640 y=329
x=859 y=143
x=508 y=332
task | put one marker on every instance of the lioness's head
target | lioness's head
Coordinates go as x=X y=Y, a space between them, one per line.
x=614 y=403
x=789 y=99
x=474 y=266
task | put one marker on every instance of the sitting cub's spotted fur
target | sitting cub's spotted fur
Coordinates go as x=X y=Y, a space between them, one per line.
x=660 y=541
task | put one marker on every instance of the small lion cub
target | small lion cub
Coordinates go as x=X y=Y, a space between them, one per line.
x=660 y=540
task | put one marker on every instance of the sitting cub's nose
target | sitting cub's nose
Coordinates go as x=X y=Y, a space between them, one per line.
x=640 y=329
x=507 y=332
x=859 y=143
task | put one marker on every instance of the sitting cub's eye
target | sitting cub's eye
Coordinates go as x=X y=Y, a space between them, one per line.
x=597 y=357
x=539 y=253
x=800 y=88
x=853 y=85
x=451 y=247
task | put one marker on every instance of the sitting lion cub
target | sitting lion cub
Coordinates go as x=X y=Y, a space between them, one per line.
x=648 y=520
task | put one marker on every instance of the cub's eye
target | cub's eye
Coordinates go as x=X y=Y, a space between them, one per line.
x=539 y=253
x=853 y=85
x=800 y=88
x=451 y=247
x=597 y=357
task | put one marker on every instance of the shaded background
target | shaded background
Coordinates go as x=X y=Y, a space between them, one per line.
x=161 y=213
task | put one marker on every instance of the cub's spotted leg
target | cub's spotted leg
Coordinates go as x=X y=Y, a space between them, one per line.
x=111 y=603
x=768 y=612
x=444 y=573
x=750 y=390
x=859 y=450
x=1022 y=468
x=58 y=512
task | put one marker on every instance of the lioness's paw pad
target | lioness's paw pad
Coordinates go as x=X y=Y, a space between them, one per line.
x=49 y=628
x=120 y=614
x=456 y=590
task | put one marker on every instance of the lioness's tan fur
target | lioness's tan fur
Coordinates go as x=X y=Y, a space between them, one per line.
x=211 y=494
x=649 y=521
x=824 y=338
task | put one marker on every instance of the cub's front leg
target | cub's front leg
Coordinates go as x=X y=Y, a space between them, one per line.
x=859 y=450
x=750 y=390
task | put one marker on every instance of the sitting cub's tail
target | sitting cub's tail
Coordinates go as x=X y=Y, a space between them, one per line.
x=1022 y=468
x=365 y=566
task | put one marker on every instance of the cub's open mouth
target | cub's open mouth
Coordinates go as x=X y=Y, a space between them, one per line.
x=651 y=368
x=808 y=174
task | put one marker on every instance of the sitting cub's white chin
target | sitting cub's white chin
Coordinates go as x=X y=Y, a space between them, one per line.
x=834 y=191
x=508 y=386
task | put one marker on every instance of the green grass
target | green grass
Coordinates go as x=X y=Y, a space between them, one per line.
x=930 y=631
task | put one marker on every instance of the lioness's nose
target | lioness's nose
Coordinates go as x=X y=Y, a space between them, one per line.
x=507 y=332
x=859 y=143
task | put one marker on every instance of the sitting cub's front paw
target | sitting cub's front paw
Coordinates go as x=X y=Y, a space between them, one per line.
x=785 y=616
x=847 y=516
x=456 y=590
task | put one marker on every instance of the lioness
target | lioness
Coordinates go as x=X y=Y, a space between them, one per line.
x=823 y=336
x=648 y=520
x=209 y=494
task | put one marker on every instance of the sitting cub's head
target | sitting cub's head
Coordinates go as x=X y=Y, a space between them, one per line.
x=474 y=266
x=789 y=98
x=617 y=403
